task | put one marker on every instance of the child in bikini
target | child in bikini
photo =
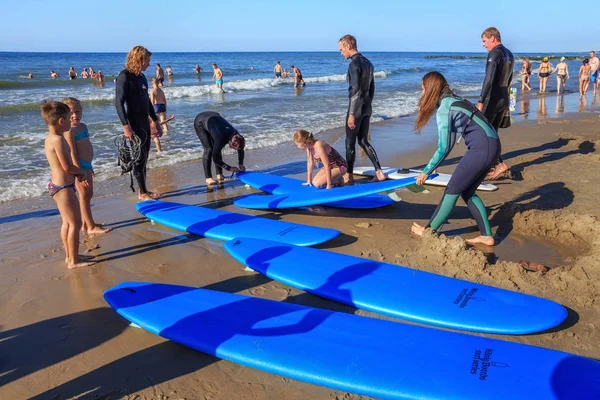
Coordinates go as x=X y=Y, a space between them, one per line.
x=334 y=165
x=584 y=77
x=82 y=154
x=64 y=173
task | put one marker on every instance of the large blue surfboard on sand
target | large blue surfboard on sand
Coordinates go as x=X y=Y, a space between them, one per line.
x=363 y=355
x=223 y=225
x=276 y=184
x=398 y=291
x=320 y=196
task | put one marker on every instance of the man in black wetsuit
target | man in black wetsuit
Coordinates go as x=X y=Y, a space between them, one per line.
x=360 y=91
x=493 y=101
x=134 y=109
x=214 y=133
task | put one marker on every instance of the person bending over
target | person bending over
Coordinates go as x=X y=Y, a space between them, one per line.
x=319 y=152
x=456 y=116
x=214 y=133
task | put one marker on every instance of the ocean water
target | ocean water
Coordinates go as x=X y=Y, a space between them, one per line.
x=265 y=110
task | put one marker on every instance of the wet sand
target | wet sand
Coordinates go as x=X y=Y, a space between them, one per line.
x=60 y=340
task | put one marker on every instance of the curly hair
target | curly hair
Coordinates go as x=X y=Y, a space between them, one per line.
x=136 y=59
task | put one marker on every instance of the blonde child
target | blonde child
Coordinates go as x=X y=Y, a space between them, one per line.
x=334 y=165
x=82 y=154
x=64 y=173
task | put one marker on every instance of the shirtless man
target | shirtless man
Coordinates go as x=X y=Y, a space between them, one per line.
x=298 y=80
x=277 y=70
x=562 y=74
x=594 y=65
x=159 y=102
x=218 y=77
x=160 y=74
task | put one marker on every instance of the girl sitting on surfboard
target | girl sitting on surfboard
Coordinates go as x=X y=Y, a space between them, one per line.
x=334 y=165
x=456 y=116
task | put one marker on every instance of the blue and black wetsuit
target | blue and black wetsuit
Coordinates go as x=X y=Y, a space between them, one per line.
x=496 y=85
x=361 y=91
x=214 y=133
x=456 y=116
x=133 y=107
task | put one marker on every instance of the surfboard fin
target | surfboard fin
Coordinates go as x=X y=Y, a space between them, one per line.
x=417 y=189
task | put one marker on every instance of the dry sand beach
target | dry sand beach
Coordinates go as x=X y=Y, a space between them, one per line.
x=60 y=340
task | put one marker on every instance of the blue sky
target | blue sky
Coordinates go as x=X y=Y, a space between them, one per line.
x=265 y=25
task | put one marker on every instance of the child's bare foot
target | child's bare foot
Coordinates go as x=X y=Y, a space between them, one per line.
x=487 y=240
x=379 y=176
x=82 y=257
x=417 y=229
x=98 y=230
x=81 y=264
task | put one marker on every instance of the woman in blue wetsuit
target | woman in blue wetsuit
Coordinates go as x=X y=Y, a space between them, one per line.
x=457 y=117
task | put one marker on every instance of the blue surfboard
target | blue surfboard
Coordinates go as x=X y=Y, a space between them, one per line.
x=363 y=355
x=321 y=196
x=399 y=291
x=276 y=184
x=223 y=225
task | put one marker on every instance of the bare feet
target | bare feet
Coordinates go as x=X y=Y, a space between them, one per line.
x=210 y=181
x=98 y=230
x=81 y=264
x=487 y=240
x=348 y=179
x=417 y=229
x=81 y=258
x=154 y=195
x=379 y=176
x=497 y=171
x=149 y=196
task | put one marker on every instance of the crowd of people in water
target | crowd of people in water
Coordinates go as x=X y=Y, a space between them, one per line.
x=142 y=113
x=588 y=73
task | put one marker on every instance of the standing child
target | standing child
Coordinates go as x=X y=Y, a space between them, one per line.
x=584 y=77
x=82 y=154
x=159 y=102
x=334 y=165
x=218 y=77
x=62 y=186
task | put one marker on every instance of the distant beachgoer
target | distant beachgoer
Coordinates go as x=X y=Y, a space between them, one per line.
x=197 y=69
x=494 y=101
x=82 y=155
x=100 y=77
x=85 y=74
x=361 y=90
x=133 y=107
x=319 y=152
x=457 y=117
x=544 y=71
x=72 y=73
x=251 y=68
x=285 y=73
x=595 y=70
x=215 y=133
x=298 y=80
x=53 y=74
x=277 y=70
x=526 y=74
x=28 y=76
x=62 y=184
x=562 y=74
x=159 y=102
x=92 y=72
x=218 y=77
x=160 y=74
x=169 y=71
x=584 y=77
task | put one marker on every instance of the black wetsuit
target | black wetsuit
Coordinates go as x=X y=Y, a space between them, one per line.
x=214 y=133
x=496 y=85
x=360 y=91
x=133 y=107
